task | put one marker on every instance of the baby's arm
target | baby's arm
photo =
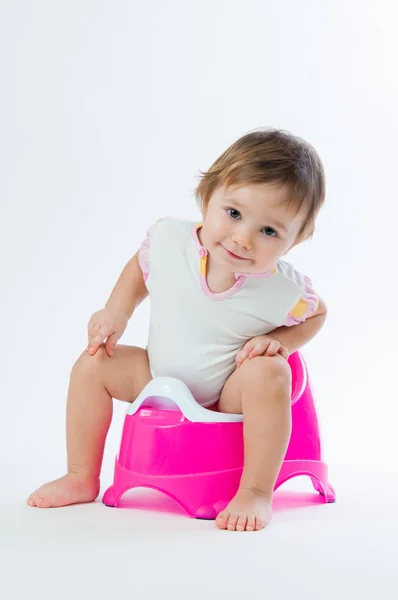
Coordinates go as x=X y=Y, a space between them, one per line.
x=130 y=289
x=110 y=322
x=298 y=335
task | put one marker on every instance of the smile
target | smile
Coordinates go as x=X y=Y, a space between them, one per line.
x=232 y=255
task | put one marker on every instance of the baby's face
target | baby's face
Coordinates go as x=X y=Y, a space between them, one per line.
x=248 y=228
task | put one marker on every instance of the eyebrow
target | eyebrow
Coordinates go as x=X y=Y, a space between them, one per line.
x=275 y=222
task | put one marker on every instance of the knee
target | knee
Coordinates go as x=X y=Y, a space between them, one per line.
x=267 y=370
x=87 y=363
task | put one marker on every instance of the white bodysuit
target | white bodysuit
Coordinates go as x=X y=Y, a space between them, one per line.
x=195 y=334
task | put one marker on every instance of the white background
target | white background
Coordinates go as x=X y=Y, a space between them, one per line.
x=108 y=110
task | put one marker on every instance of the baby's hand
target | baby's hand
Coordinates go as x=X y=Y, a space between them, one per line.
x=105 y=324
x=258 y=346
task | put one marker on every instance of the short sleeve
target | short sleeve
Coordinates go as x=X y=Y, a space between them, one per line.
x=144 y=251
x=304 y=308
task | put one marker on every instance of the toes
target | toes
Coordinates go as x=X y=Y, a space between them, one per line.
x=231 y=525
x=251 y=523
x=40 y=502
x=31 y=500
x=222 y=519
x=241 y=524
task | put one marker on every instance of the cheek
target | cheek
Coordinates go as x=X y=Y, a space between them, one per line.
x=219 y=227
x=269 y=247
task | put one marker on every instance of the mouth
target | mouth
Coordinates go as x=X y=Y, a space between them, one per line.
x=232 y=255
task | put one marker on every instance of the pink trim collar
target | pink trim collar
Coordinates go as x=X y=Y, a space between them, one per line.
x=203 y=252
x=240 y=277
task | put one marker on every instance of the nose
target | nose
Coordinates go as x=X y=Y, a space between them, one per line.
x=242 y=239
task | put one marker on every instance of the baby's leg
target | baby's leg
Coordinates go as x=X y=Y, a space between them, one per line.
x=94 y=381
x=260 y=389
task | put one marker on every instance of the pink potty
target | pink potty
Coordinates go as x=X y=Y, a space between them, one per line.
x=194 y=455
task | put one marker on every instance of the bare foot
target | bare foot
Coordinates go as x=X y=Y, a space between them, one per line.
x=69 y=489
x=247 y=511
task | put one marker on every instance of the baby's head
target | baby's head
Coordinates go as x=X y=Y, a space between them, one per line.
x=260 y=198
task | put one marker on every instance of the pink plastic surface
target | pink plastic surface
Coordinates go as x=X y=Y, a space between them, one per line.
x=199 y=465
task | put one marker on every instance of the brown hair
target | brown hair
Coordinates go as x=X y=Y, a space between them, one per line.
x=270 y=155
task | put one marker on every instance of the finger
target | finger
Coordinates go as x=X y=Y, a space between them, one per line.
x=96 y=339
x=92 y=332
x=92 y=349
x=239 y=359
x=110 y=345
x=102 y=333
x=258 y=349
x=89 y=331
x=272 y=348
x=95 y=329
x=89 y=326
x=243 y=354
x=284 y=352
x=95 y=342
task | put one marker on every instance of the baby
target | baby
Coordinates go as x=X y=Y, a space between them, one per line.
x=226 y=312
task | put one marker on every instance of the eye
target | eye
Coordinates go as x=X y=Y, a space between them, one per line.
x=269 y=232
x=233 y=213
